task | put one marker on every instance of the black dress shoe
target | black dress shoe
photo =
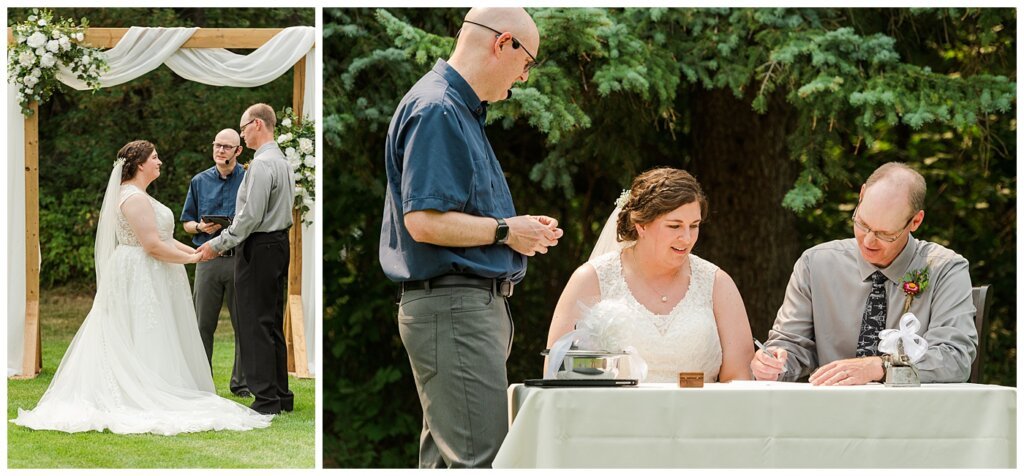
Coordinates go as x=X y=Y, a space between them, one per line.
x=243 y=394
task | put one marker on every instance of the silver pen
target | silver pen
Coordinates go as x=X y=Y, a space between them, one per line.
x=785 y=365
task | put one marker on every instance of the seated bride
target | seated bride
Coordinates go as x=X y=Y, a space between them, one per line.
x=681 y=313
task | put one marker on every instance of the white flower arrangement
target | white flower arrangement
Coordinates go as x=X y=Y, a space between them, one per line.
x=41 y=47
x=603 y=327
x=297 y=138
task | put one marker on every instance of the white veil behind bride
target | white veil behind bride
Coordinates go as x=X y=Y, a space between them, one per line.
x=106 y=240
x=607 y=241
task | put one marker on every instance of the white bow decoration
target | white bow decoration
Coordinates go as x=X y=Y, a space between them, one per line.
x=913 y=345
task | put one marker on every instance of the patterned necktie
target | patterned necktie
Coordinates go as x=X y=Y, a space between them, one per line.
x=873 y=321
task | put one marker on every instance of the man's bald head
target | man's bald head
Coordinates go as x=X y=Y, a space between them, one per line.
x=898 y=181
x=494 y=50
x=513 y=20
x=228 y=136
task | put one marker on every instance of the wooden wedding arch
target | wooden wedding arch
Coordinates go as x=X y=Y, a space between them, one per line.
x=105 y=38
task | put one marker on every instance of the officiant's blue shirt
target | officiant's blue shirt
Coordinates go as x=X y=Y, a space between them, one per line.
x=211 y=194
x=438 y=158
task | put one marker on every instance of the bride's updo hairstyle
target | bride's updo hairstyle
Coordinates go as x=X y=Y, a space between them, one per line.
x=655 y=193
x=134 y=154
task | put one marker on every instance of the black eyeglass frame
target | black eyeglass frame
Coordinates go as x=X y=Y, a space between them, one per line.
x=516 y=44
x=864 y=228
x=241 y=130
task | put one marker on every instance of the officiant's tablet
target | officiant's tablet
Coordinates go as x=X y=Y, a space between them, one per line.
x=580 y=382
x=221 y=220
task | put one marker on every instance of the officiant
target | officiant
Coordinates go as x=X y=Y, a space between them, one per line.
x=843 y=293
x=452 y=238
x=209 y=206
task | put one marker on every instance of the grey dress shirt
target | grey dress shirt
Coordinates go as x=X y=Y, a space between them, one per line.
x=264 y=201
x=820 y=320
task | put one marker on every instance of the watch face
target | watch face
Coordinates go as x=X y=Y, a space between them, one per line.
x=502 y=233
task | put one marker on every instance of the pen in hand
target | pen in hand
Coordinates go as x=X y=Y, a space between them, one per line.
x=785 y=365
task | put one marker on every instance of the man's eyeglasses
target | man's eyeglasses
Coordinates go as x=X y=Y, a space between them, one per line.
x=242 y=129
x=217 y=146
x=516 y=44
x=885 y=236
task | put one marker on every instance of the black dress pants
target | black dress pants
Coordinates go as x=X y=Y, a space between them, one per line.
x=261 y=271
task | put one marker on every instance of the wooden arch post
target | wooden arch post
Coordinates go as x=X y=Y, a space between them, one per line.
x=237 y=38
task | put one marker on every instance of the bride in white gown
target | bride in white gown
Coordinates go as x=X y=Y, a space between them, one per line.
x=684 y=313
x=137 y=363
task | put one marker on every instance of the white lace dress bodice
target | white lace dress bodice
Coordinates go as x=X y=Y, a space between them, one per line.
x=684 y=340
x=164 y=218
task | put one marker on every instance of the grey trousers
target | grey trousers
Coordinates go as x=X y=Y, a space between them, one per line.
x=458 y=340
x=215 y=284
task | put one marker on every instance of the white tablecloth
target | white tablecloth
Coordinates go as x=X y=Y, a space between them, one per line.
x=757 y=424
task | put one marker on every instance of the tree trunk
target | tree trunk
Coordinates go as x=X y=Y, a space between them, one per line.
x=741 y=160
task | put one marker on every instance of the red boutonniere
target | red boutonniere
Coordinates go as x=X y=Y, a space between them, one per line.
x=914 y=283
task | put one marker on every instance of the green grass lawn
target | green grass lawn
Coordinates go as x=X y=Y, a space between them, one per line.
x=287 y=443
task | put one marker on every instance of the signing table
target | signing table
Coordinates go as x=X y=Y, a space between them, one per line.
x=761 y=424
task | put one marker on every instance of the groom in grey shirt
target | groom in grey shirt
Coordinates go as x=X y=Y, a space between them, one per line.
x=844 y=292
x=263 y=217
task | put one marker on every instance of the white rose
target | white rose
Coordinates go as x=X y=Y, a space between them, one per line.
x=36 y=72
x=310 y=161
x=26 y=58
x=28 y=91
x=36 y=40
x=42 y=22
x=286 y=122
x=80 y=36
x=283 y=138
x=47 y=60
x=30 y=81
x=32 y=18
x=40 y=51
x=53 y=46
x=306 y=145
x=290 y=152
x=65 y=43
x=308 y=202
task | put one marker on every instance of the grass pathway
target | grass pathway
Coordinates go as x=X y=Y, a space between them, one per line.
x=287 y=443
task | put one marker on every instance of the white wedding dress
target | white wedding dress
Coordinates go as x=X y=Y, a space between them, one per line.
x=684 y=340
x=137 y=363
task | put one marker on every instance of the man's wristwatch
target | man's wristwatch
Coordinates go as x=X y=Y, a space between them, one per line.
x=501 y=233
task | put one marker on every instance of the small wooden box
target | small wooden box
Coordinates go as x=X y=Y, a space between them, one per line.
x=691 y=379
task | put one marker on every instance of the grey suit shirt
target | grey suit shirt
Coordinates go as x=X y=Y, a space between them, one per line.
x=820 y=319
x=264 y=201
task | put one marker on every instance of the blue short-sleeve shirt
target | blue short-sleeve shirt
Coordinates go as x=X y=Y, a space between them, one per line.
x=211 y=194
x=437 y=157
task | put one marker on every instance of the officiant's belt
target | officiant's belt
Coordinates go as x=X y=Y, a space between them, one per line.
x=502 y=287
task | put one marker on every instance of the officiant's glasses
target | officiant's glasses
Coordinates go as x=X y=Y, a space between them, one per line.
x=516 y=44
x=885 y=236
x=217 y=146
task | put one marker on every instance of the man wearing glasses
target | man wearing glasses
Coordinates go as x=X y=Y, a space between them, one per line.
x=452 y=239
x=844 y=292
x=212 y=192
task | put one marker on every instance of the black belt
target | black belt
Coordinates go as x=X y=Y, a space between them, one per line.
x=502 y=287
x=228 y=253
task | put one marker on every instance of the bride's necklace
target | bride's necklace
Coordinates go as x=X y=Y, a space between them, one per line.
x=636 y=270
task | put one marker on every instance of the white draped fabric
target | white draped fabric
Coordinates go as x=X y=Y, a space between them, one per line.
x=140 y=51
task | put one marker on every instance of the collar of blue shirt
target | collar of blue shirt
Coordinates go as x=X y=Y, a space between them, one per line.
x=464 y=90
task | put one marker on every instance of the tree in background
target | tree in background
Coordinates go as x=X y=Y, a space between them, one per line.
x=781 y=114
x=80 y=132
